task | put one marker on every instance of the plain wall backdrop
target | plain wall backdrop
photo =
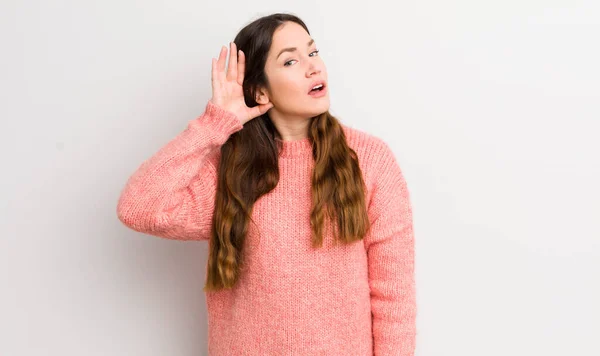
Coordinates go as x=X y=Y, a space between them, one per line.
x=492 y=109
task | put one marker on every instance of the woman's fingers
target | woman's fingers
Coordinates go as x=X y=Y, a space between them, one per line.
x=241 y=67
x=213 y=75
x=232 y=68
x=221 y=61
x=224 y=74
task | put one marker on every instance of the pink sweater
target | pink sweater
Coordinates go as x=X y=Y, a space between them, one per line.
x=291 y=299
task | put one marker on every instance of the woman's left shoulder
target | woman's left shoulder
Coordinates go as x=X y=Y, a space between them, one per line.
x=368 y=147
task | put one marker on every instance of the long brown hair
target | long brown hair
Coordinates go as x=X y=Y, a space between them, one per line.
x=248 y=169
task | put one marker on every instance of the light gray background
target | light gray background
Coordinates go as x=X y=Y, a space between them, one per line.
x=491 y=107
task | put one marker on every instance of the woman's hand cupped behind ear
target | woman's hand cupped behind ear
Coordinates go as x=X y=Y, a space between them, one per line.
x=227 y=91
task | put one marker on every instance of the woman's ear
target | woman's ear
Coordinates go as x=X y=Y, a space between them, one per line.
x=262 y=97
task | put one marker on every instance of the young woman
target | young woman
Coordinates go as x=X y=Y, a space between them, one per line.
x=308 y=221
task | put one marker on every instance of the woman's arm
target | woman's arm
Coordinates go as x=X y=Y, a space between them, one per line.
x=172 y=194
x=390 y=251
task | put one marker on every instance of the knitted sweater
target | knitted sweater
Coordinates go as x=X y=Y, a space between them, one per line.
x=290 y=299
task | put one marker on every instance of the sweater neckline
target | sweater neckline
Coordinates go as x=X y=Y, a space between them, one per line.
x=294 y=148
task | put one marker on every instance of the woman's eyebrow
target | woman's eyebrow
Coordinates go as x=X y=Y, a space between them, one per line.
x=292 y=49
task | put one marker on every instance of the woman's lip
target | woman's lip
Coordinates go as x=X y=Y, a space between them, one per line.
x=320 y=93
x=321 y=83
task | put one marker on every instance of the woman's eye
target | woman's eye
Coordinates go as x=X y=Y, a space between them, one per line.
x=292 y=60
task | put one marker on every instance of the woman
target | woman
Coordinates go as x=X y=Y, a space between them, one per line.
x=308 y=221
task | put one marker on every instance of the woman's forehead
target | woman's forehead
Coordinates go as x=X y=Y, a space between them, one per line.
x=290 y=35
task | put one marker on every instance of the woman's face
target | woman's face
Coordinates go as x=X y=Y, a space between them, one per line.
x=293 y=68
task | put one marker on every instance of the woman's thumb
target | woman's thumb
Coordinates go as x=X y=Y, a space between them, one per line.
x=263 y=108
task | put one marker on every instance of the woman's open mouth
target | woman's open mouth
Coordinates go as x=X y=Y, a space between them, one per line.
x=318 y=90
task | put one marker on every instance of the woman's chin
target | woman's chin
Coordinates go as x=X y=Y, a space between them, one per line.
x=320 y=109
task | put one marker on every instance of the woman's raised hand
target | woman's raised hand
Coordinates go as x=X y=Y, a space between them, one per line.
x=227 y=90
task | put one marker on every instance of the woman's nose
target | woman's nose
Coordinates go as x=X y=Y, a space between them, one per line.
x=312 y=70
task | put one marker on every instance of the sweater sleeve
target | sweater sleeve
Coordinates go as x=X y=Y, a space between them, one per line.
x=172 y=193
x=390 y=253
